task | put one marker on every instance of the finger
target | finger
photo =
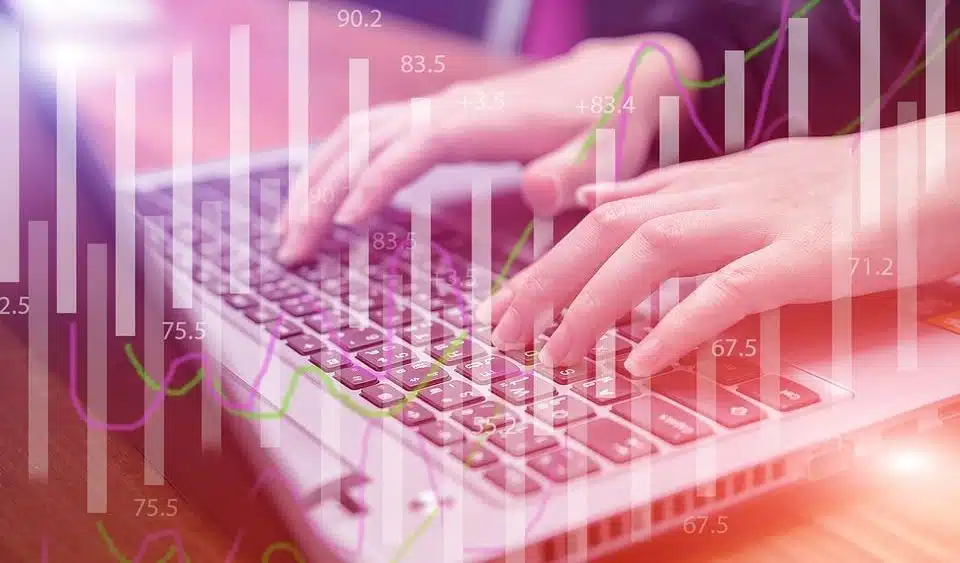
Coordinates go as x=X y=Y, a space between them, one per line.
x=332 y=149
x=551 y=182
x=308 y=225
x=565 y=269
x=685 y=244
x=755 y=283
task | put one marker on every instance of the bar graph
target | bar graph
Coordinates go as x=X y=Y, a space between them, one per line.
x=239 y=229
x=96 y=332
x=935 y=77
x=38 y=344
x=182 y=151
x=211 y=416
x=66 y=235
x=358 y=157
x=125 y=200
x=153 y=351
x=908 y=187
x=10 y=158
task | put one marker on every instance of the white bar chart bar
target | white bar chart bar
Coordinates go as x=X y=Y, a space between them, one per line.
x=733 y=101
x=358 y=156
x=183 y=168
x=153 y=355
x=97 y=377
x=239 y=154
x=38 y=344
x=481 y=225
x=935 y=76
x=908 y=186
x=66 y=191
x=298 y=78
x=211 y=429
x=125 y=270
x=870 y=96
x=10 y=157
x=605 y=173
x=798 y=77
x=421 y=219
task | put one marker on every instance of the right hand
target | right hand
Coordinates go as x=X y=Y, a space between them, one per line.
x=530 y=116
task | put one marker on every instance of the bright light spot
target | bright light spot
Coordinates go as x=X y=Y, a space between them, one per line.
x=73 y=12
x=906 y=461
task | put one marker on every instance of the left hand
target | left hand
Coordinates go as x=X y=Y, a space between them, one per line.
x=766 y=223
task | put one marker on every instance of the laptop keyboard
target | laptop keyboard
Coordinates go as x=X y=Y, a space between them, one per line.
x=541 y=425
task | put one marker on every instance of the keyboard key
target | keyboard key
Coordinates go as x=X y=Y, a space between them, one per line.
x=353 y=339
x=386 y=356
x=330 y=360
x=283 y=328
x=606 y=389
x=563 y=465
x=337 y=286
x=568 y=374
x=524 y=389
x=780 y=393
x=714 y=402
x=321 y=271
x=262 y=314
x=433 y=302
x=305 y=344
x=662 y=419
x=450 y=395
x=457 y=317
x=526 y=357
x=635 y=332
x=333 y=319
x=419 y=374
x=425 y=332
x=485 y=417
x=611 y=440
x=561 y=411
x=280 y=290
x=304 y=305
x=361 y=300
x=240 y=301
x=731 y=371
x=413 y=414
x=255 y=277
x=355 y=377
x=610 y=344
x=441 y=433
x=393 y=315
x=456 y=350
x=489 y=368
x=473 y=455
x=382 y=395
x=512 y=481
x=522 y=439
x=482 y=333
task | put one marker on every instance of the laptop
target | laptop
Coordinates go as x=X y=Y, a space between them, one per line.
x=400 y=434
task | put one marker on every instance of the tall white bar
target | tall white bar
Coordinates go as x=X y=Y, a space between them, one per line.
x=66 y=190
x=153 y=355
x=10 y=157
x=734 y=135
x=871 y=203
x=420 y=222
x=97 y=377
x=125 y=268
x=183 y=168
x=298 y=78
x=798 y=77
x=481 y=225
x=211 y=412
x=38 y=346
x=605 y=173
x=935 y=76
x=239 y=154
x=908 y=186
x=358 y=157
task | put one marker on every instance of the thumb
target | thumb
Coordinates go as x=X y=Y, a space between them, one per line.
x=551 y=181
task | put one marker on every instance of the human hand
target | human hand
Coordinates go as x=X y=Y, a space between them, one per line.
x=772 y=226
x=530 y=116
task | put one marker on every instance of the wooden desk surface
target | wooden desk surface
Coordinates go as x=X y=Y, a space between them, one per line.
x=851 y=519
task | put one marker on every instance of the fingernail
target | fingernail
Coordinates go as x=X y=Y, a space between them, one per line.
x=643 y=360
x=507 y=334
x=541 y=194
x=557 y=347
x=287 y=253
x=587 y=197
